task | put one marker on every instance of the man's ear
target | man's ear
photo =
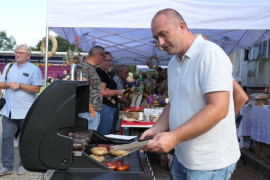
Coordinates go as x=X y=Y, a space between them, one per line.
x=182 y=25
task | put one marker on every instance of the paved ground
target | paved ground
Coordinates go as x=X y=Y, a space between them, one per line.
x=246 y=172
x=242 y=172
x=28 y=175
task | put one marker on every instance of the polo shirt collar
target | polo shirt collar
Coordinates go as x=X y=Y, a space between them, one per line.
x=194 y=46
x=192 y=49
x=16 y=63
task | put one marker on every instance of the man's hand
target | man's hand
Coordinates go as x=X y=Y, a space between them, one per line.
x=147 y=133
x=122 y=100
x=14 y=85
x=158 y=129
x=120 y=92
x=163 y=143
x=92 y=111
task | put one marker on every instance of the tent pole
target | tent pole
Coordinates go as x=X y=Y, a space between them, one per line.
x=46 y=57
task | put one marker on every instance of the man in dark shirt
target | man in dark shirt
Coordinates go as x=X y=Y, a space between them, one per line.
x=109 y=111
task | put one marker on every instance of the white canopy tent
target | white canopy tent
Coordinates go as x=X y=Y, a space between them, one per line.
x=122 y=27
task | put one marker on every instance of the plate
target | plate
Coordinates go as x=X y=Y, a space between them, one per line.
x=122 y=137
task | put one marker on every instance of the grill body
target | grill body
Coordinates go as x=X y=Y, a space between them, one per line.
x=44 y=143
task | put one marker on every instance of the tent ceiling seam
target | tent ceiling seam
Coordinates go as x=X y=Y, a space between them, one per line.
x=126 y=47
x=238 y=42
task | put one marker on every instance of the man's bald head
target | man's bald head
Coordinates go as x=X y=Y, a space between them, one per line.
x=171 y=15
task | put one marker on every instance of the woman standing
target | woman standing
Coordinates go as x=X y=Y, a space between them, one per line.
x=109 y=111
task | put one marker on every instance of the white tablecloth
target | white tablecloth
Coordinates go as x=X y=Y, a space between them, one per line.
x=255 y=123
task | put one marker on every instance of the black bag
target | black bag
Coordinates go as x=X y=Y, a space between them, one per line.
x=2 y=102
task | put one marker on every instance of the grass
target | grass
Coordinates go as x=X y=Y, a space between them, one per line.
x=42 y=88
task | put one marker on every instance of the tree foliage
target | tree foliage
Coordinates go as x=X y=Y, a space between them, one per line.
x=132 y=68
x=62 y=45
x=6 y=43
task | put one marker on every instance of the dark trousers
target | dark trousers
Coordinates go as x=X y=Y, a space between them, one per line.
x=9 y=128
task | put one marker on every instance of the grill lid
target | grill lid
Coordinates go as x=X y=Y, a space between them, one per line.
x=42 y=146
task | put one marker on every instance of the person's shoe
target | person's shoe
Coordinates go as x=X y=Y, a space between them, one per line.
x=5 y=171
x=21 y=170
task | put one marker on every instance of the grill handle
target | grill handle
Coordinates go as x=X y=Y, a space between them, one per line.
x=72 y=71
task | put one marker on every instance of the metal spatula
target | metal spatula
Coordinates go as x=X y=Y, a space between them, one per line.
x=131 y=147
x=122 y=156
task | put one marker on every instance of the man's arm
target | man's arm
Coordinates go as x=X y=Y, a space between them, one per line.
x=26 y=87
x=67 y=77
x=239 y=96
x=216 y=109
x=108 y=92
x=4 y=85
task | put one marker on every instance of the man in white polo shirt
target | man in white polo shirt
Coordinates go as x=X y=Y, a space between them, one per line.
x=199 y=122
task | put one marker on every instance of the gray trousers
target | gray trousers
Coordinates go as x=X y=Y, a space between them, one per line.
x=9 y=128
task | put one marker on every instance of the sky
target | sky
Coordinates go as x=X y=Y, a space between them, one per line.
x=25 y=20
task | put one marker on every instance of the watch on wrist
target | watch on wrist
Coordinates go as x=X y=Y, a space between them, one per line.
x=20 y=86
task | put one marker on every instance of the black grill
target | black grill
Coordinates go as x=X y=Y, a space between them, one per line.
x=44 y=143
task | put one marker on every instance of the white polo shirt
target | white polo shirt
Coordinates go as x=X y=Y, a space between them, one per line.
x=205 y=68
